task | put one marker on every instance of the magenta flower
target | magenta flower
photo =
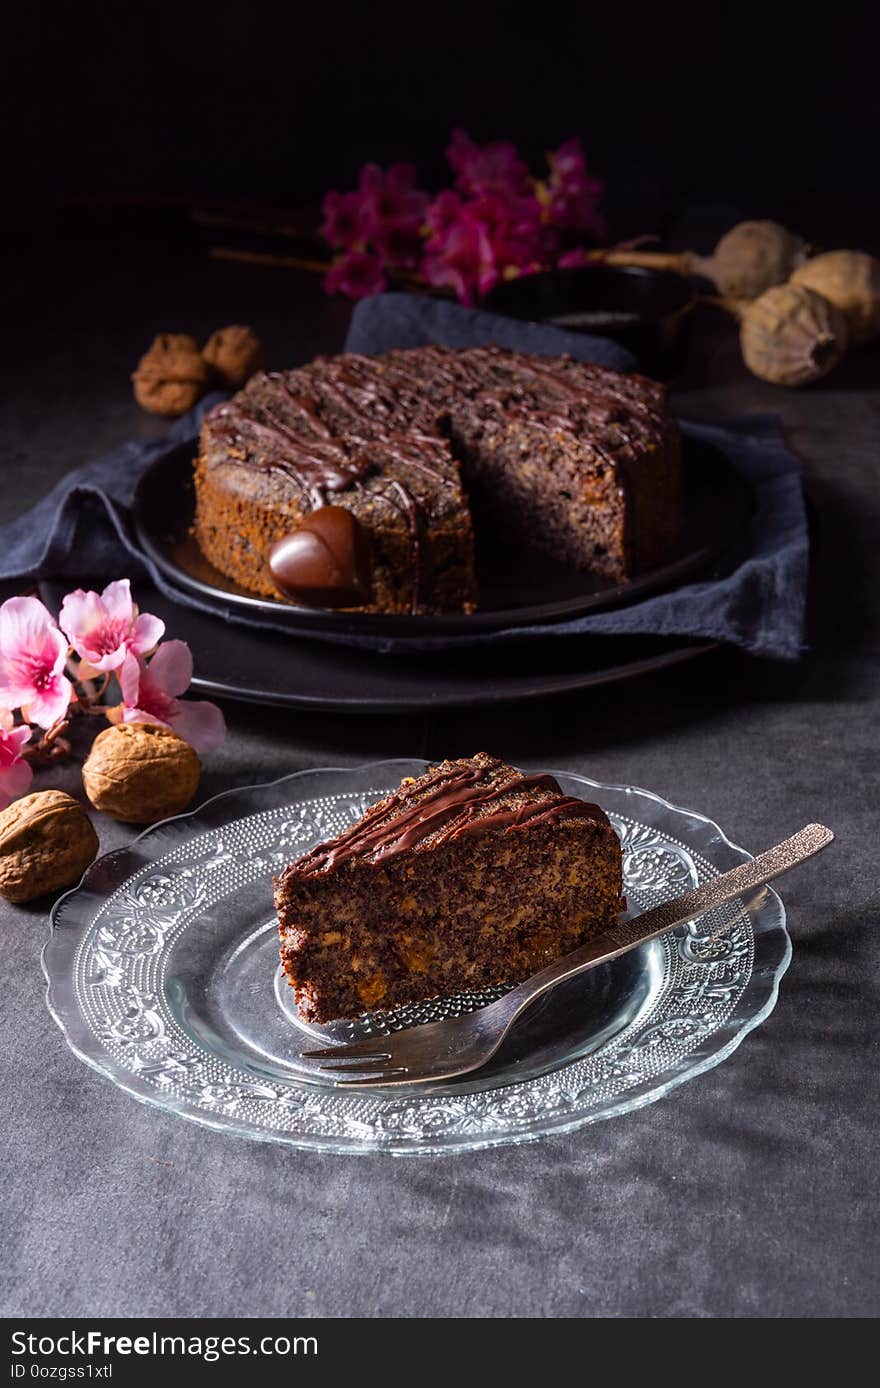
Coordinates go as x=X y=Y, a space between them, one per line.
x=496 y=222
x=573 y=259
x=515 y=231
x=443 y=213
x=150 y=694
x=104 y=628
x=462 y=259
x=572 y=195
x=32 y=656
x=343 y=221
x=15 y=773
x=389 y=198
x=399 y=245
x=493 y=168
x=476 y=242
x=357 y=274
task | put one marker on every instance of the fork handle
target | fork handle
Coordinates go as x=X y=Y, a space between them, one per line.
x=650 y=924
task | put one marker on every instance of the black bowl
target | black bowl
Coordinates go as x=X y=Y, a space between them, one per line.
x=647 y=311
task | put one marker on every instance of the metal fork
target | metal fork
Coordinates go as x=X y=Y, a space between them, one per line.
x=444 y=1050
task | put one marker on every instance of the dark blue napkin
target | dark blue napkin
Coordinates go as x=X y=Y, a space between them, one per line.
x=412 y=320
x=83 y=528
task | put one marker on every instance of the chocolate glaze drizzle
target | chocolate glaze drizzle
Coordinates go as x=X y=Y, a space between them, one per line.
x=319 y=470
x=448 y=811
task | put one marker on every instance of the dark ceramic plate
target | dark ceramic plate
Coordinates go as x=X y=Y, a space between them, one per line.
x=514 y=591
x=271 y=667
x=647 y=311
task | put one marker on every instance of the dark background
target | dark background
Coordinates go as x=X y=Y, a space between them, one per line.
x=771 y=111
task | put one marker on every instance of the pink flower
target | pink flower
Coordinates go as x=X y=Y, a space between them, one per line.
x=572 y=197
x=475 y=243
x=15 y=773
x=572 y=260
x=462 y=259
x=343 y=220
x=515 y=230
x=32 y=656
x=399 y=245
x=493 y=168
x=388 y=198
x=105 y=629
x=150 y=695
x=357 y=274
x=444 y=212
x=379 y=225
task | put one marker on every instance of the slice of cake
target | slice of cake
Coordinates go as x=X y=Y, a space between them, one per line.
x=471 y=875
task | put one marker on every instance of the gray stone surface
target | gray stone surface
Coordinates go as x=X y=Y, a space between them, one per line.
x=752 y=1191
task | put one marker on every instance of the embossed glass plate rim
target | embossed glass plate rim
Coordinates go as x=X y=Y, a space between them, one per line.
x=766 y=916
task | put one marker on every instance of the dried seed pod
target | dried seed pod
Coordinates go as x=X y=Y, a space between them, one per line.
x=851 y=281
x=791 y=335
x=138 y=772
x=752 y=257
x=234 y=354
x=46 y=842
x=171 y=376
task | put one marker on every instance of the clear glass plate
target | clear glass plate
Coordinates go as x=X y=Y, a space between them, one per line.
x=162 y=972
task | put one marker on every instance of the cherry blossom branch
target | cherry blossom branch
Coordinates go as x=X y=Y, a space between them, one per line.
x=53 y=745
x=54 y=671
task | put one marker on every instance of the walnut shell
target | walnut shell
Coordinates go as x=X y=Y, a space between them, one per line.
x=171 y=376
x=851 y=281
x=46 y=842
x=752 y=257
x=790 y=335
x=138 y=772
x=234 y=354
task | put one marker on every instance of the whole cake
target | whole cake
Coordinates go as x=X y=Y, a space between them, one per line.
x=351 y=482
x=471 y=875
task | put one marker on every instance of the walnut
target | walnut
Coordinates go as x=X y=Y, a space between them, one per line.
x=171 y=376
x=138 y=772
x=46 y=842
x=234 y=354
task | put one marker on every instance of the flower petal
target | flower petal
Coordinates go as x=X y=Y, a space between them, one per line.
x=171 y=669
x=55 y=649
x=30 y=641
x=24 y=623
x=138 y=715
x=129 y=677
x=146 y=633
x=116 y=598
x=14 y=781
x=46 y=705
x=199 y=723
x=14 y=685
x=81 y=613
x=18 y=737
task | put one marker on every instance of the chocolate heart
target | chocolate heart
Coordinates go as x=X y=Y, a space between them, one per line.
x=326 y=562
